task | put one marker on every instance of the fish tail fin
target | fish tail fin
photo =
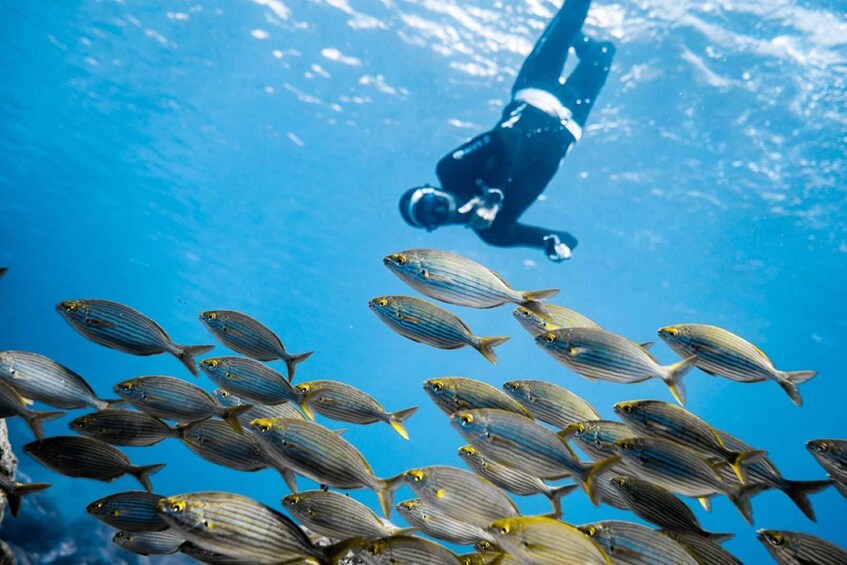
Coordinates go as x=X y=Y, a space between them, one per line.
x=741 y=500
x=717 y=537
x=486 y=345
x=110 y=403
x=22 y=489
x=385 y=492
x=790 y=381
x=588 y=472
x=36 y=419
x=740 y=459
x=143 y=472
x=291 y=362
x=531 y=296
x=186 y=354
x=396 y=419
x=231 y=415
x=555 y=495
x=673 y=377
x=798 y=492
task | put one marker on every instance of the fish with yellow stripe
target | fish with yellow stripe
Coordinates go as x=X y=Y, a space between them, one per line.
x=600 y=355
x=722 y=353
x=457 y=280
x=544 y=541
x=424 y=322
x=345 y=403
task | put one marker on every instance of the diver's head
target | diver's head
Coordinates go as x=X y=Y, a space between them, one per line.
x=427 y=207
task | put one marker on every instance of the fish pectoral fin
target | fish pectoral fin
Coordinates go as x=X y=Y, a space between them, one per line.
x=98 y=323
x=233 y=332
x=576 y=351
x=432 y=277
x=409 y=318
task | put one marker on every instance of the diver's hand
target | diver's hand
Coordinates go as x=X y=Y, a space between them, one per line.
x=485 y=209
x=556 y=250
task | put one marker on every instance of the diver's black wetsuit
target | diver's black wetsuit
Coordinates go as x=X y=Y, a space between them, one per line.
x=522 y=152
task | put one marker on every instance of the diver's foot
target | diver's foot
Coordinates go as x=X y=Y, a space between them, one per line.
x=556 y=250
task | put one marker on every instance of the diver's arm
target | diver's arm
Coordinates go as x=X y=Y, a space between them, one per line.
x=523 y=235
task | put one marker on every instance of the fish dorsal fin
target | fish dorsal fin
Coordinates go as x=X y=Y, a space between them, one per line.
x=501 y=279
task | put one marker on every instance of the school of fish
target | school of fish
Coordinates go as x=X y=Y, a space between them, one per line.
x=518 y=440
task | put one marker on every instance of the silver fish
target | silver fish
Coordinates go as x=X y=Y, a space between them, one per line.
x=249 y=379
x=550 y=403
x=797 y=548
x=237 y=526
x=660 y=419
x=337 y=515
x=250 y=337
x=133 y=511
x=117 y=326
x=13 y=404
x=461 y=495
x=217 y=442
x=458 y=393
x=597 y=437
x=831 y=454
x=506 y=438
x=659 y=506
x=165 y=542
x=123 y=427
x=284 y=410
x=682 y=470
x=722 y=353
x=597 y=354
x=40 y=378
x=550 y=317
x=345 y=403
x=15 y=491
x=74 y=456
x=513 y=480
x=437 y=524
x=634 y=544
x=427 y=323
x=402 y=549
x=705 y=551
x=545 y=541
x=457 y=280
x=321 y=455
x=175 y=399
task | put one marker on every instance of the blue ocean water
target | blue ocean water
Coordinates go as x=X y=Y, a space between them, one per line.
x=181 y=156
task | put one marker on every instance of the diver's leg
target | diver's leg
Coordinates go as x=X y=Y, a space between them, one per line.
x=583 y=86
x=544 y=65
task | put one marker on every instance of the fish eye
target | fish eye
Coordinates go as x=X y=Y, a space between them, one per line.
x=70 y=306
x=126 y=386
x=437 y=386
x=514 y=386
x=212 y=363
x=466 y=419
x=98 y=505
x=211 y=316
x=504 y=529
x=627 y=409
x=469 y=451
x=401 y=259
x=776 y=539
x=224 y=394
x=590 y=531
x=580 y=429
x=264 y=428
x=417 y=476
x=294 y=500
x=382 y=302
x=673 y=332
x=549 y=338
x=620 y=481
x=178 y=506
x=484 y=545
x=821 y=446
